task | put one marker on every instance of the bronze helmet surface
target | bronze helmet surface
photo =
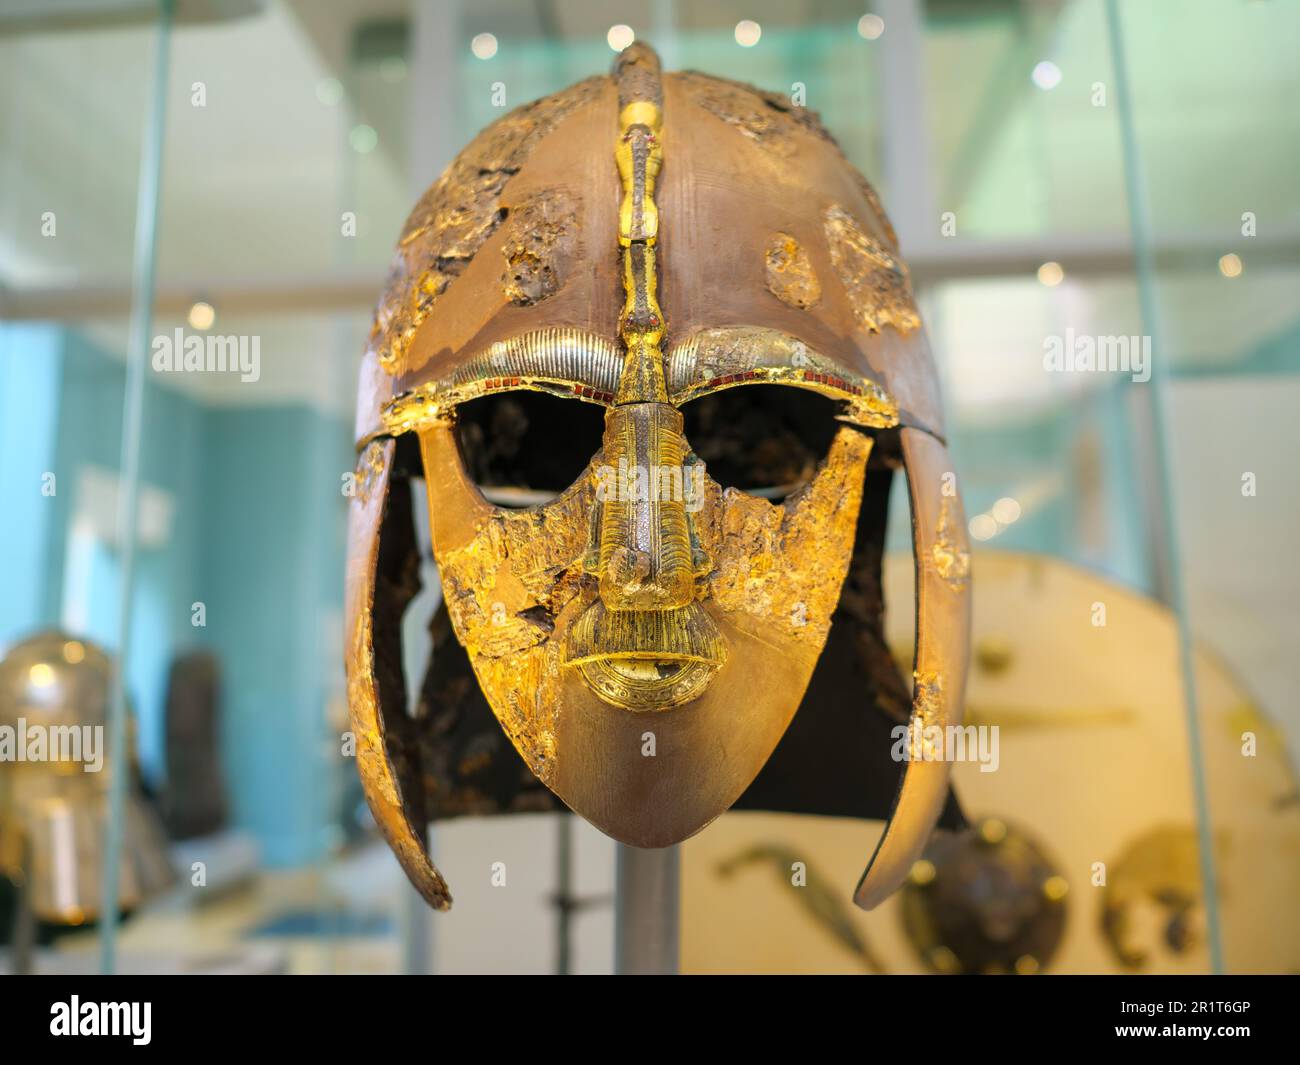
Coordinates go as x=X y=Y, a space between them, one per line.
x=650 y=248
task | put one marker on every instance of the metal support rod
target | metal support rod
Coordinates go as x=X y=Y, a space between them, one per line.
x=24 y=940
x=418 y=928
x=564 y=900
x=646 y=911
x=137 y=360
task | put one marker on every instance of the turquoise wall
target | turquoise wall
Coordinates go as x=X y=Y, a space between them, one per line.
x=30 y=364
x=271 y=576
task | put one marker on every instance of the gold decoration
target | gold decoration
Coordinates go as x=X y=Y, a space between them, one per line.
x=714 y=359
x=579 y=612
x=645 y=644
x=922 y=872
x=645 y=556
x=639 y=158
x=873 y=277
x=646 y=659
x=370 y=464
x=564 y=362
x=950 y=555
x=521 y=580
x=503 y=590
x=790 y=274
x=927 y=714
x=762 y=549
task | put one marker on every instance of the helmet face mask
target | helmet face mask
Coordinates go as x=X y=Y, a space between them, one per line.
x=647 y=707
x=644 y=633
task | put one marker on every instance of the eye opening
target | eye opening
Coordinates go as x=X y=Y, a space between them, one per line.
x=765 y=440
x=524 y=447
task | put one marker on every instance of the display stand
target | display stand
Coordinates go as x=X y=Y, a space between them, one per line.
x=24 y=936
x=646 y=911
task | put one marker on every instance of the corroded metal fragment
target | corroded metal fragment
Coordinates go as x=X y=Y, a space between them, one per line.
x=874 y=278
x=538 y=247
x=769 y=119
x=637 y=74
x=766 y=118
x=789 y=272
x=457 y=214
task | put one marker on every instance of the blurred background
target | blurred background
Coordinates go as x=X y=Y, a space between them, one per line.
x=1032 y=195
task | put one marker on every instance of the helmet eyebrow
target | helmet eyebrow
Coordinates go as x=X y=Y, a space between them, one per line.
x=713 y=359
x=560 y=360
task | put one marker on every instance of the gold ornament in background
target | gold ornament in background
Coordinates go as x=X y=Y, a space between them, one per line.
x=1153 y=902
x=986 y=900
x=1093 y=767
x=817 y=896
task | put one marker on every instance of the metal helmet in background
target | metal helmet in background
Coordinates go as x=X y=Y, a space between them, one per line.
x=54 y=778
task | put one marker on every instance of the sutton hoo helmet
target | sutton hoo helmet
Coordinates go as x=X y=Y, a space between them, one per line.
x=54 y=775
x=643 y=578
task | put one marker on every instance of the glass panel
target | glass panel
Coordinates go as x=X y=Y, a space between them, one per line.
x=298 y=137
x=72 y=110
x=1219 y=144
x=1022 y=130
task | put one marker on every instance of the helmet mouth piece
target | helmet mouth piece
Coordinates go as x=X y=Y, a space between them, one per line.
x=646 y=659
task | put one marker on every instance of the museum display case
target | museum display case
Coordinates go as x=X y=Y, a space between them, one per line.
x=1089 y=206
